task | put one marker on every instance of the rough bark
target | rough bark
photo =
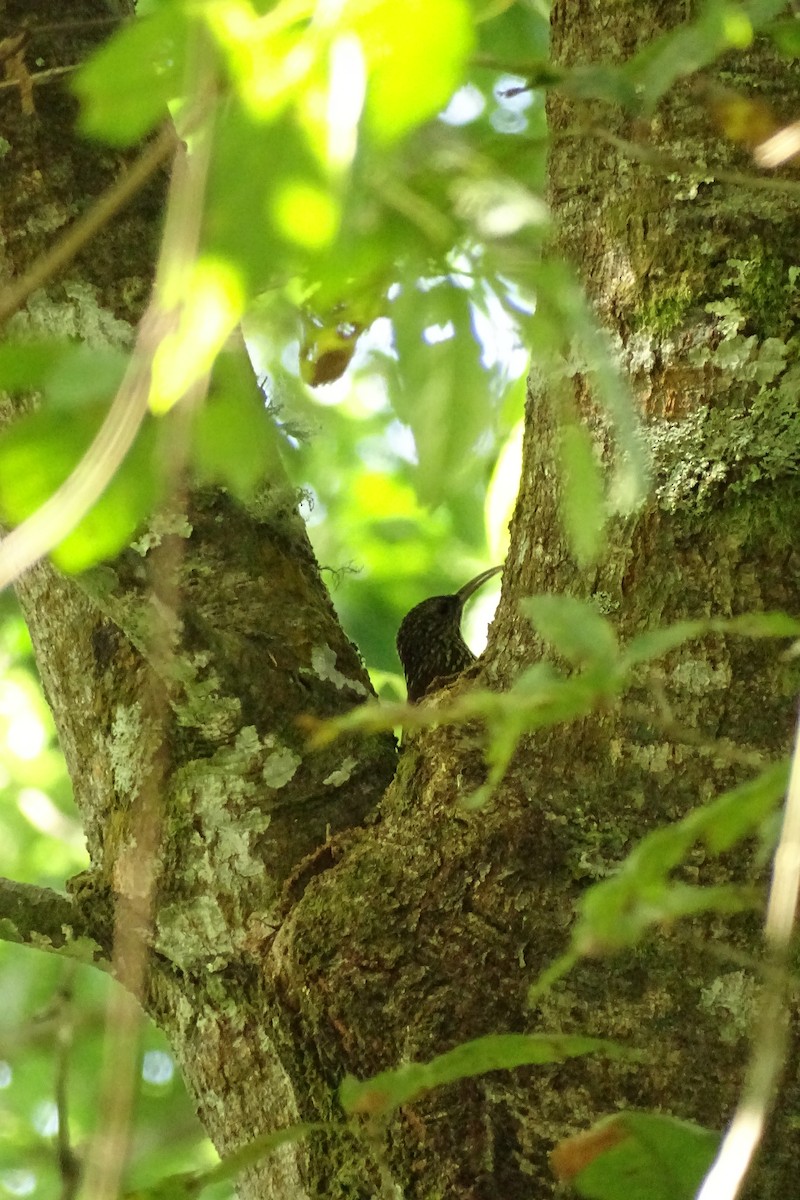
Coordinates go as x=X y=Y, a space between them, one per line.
x=283 y=961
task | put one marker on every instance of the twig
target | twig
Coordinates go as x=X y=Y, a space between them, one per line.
x=669 y=165
x=39 y=77
x=768 y=1049
x=138 y=862
x=69 y=1165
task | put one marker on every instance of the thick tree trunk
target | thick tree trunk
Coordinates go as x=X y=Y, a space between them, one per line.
x=280 y=965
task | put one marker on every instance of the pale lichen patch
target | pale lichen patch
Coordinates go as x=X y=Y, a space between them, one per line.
x=280 y=767
x=698 y=676
x=323 y=661
x=731 y=999
x=166 y=524
x=126 y=741
x=194 y=931
x=341 y=774
x=79 y=316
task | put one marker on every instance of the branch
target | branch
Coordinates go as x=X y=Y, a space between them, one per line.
x=46 y=920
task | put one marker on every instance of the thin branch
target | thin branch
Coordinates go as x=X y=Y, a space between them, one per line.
x=667 y=164
x=768 y=1049
x=40 y=917
x=139 y=862
x=39 y=77
x=69 y=1165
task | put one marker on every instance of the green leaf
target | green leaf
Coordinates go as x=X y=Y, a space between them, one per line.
x=415 y=55
x=233 y=437
x=126 y=87
x=498 y=1051
x=719 y=27
x=262 y=180
x=39 y=452
x=655 y=643
x=66 y=373
x=187 y=1185
x=574 y=628
x=786 y=36
x=637 y=1156
x=439 y=386
x=568 y=342
x=619 y=910
x=758 y=625
x=582 y=506
x=740 y=812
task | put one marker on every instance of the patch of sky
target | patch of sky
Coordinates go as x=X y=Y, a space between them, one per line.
x=466 y=105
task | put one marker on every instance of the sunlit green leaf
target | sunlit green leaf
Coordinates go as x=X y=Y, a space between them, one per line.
x=233 y=438
x=126 y=87
x=636 y=1156
x=415 y=54
x=441 y=389
x=67 y=373
x=262 y=182
x=39 y=452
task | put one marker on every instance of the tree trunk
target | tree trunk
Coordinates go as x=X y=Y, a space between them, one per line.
x=294 y=944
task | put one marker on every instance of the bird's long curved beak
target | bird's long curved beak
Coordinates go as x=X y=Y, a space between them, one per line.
x=466 y=591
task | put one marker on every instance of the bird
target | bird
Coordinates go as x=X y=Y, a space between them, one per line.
x=429 y=640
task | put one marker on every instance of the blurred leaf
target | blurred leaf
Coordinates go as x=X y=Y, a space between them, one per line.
x=208 y=311
x=758 y=625
x=617 y=911
x=636 y=1156
x=582 y=502
x=745 y=120
x=740 y=812
x=126 y=87
x=39 y=452
x=189 y=1184
x=655 y=643
x=568 y=343
x=255 y=212
x=499 y=1051
x=442 y=390
x=786 y=36
x=719 y=26
x=415 y=54
x=233 y=437
x=65 y=372
x=574 y=628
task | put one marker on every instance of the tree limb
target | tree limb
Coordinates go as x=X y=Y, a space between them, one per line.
x=44 y=919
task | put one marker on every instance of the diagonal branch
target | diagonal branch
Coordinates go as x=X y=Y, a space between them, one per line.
x=46 y=920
